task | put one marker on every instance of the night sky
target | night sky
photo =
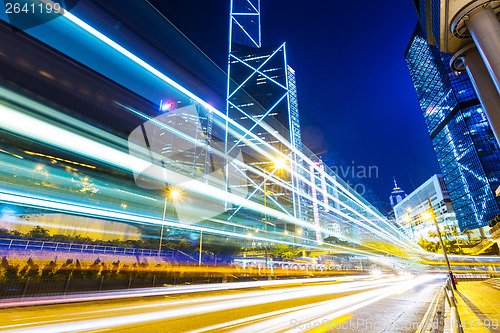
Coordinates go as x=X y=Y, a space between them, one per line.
x=355 y=93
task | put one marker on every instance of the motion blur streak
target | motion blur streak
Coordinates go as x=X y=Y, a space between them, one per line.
x=322 y=312
x=281 y=319
x=37 y=129
x=174 y=84
x=145 y=292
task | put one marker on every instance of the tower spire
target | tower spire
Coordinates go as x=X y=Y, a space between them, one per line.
x=395 y=184
x=244 y=25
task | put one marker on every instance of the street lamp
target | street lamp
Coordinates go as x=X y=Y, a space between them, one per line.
x=431 y=214
x=279 y=164
x=174 y=194
x=249 y=235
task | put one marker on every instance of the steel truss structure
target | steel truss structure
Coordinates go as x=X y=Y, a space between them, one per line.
x=262 y=98
x=280 y=173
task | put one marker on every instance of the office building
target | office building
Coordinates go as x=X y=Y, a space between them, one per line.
x=470 y=31
x=465 y=146
x=410 y=213
x=262 y=98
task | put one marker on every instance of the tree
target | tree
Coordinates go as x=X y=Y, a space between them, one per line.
x=282 y=251
x=428 y=245
x=48 y=270
x=65 y=270
x=33 y=269
x=447 y=232
x=469 y=235
x=38 y=232
x=77 y=272
x=432 y=234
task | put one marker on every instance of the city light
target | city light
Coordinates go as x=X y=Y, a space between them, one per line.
x=165 y=106
x=129 y=202
x=366 y=222
x=174 y=194
x=279 y=163
x=427 y=215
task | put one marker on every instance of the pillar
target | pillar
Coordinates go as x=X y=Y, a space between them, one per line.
x=485 y=88
x=484 y=28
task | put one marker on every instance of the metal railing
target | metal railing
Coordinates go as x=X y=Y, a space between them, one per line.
x=33 y=245
x=455 y=322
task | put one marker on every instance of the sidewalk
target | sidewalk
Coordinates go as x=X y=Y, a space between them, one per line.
x=478 y=306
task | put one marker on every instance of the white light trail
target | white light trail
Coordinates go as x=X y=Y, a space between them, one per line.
x=37 y=129
x=209 y=107
x=221 y=303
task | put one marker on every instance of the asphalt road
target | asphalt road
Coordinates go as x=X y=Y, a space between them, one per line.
x=384 y=304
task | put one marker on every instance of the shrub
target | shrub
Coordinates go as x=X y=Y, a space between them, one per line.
x=48 y=270
x=77 y=271
x=38 y=232
x=30 y=269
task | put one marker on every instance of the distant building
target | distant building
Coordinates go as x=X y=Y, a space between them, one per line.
x=397 y=195
x=410 y=212
x=465 y=146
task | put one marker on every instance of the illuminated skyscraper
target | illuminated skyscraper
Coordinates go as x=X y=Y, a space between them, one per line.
x=262 y=94
x=397 y=195
x=463 y=141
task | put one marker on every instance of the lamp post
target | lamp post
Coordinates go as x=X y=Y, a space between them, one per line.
x=201 y=244
x=278 y=164
x=432 y=215
x=174 y=194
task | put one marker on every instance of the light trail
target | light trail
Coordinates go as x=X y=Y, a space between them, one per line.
x=19 y=99
x=39 y=130
x=172 y=290
x=322 y=312
x=375 y=228
x=209 y=107
x=184 y=308
x=87 y=210
x=112 y=156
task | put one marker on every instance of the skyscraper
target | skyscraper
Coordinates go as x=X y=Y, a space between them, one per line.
x=397 y=195
x=470 y=30
x=463 y=141
x=262 y=96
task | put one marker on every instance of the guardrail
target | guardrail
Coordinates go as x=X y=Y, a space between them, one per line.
x=495 y=283
x=32 y=245
x=471 y=276
x=455 y=322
